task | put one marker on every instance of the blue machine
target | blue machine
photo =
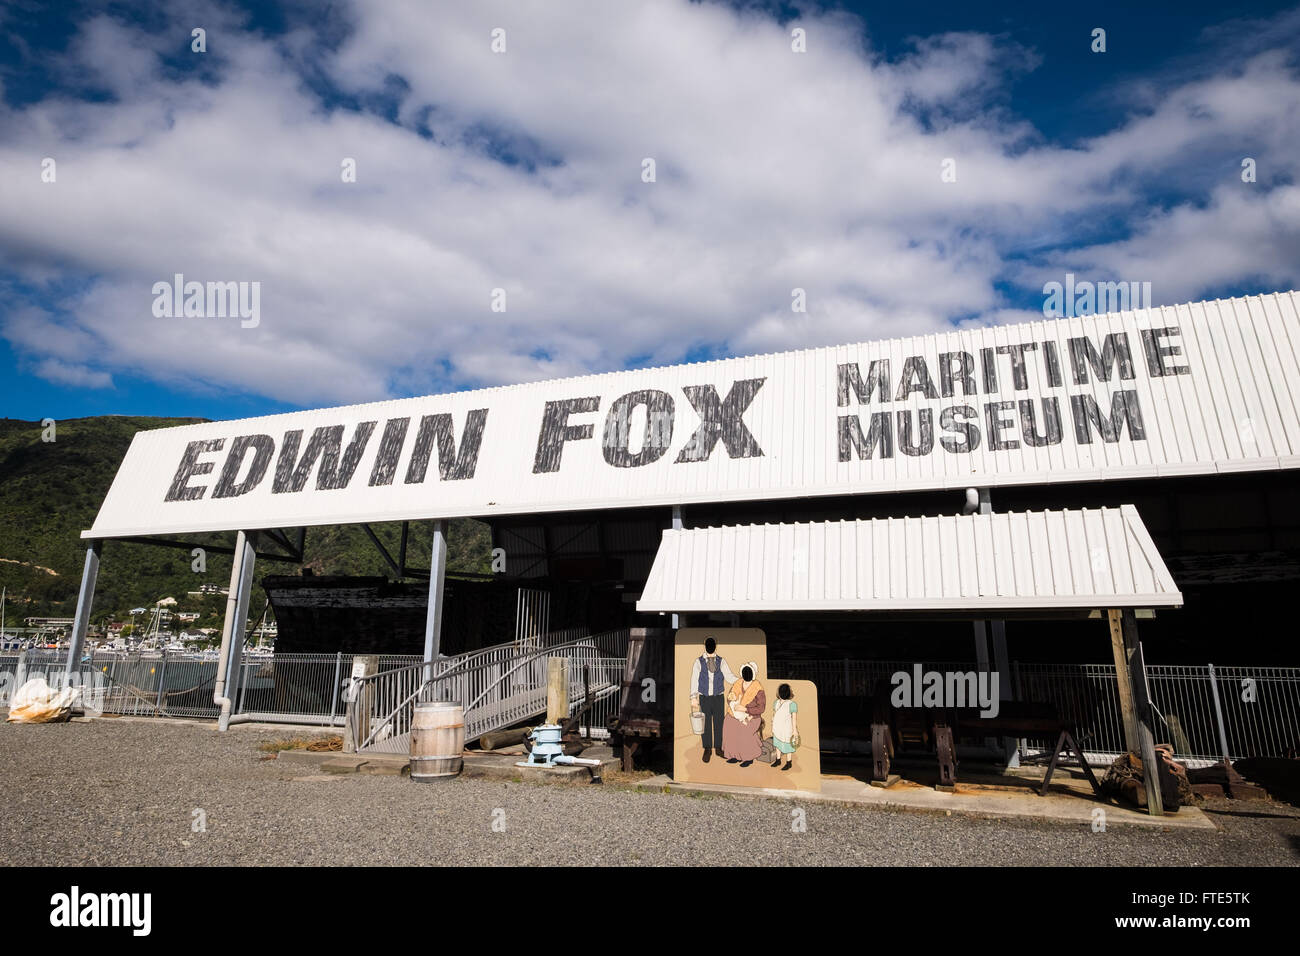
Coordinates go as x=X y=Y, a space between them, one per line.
x=548 y=751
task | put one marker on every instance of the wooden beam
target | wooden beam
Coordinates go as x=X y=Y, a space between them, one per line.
x=356 y=719
x=1142 y=705
x=1123 y=680
x=1126 y=706
x=557 y=690
x=1135 y=706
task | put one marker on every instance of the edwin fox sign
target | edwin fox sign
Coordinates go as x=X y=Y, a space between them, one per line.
x=1186 y=390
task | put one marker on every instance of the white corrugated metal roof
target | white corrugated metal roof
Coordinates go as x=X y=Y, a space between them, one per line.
x=1210 y=387
x=1087 y=558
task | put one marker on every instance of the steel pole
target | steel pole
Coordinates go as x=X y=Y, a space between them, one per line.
x=232 y=634
x=334 y=687
x=162 y=676
x=1218 y=714
x=85 y=599
x=437 y=593
x=677 y=526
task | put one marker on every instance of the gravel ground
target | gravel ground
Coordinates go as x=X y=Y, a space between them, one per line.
x=125 y=792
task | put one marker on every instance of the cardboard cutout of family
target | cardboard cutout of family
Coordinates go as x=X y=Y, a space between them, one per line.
x=736 y=724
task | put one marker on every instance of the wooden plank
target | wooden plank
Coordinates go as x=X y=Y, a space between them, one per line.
x=557 y=689
x=1122 y=680
x=356 y=721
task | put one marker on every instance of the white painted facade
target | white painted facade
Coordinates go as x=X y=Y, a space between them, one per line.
x=1218 y=394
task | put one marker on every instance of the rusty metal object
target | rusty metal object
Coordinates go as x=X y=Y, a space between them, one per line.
x=643 y=724
x=947 y=753
x=882 y=733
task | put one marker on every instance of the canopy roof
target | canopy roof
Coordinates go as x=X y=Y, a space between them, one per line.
x=1087 y=558
x=1145 y=393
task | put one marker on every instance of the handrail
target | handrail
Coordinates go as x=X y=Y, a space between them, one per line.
x=463 y=661
x=462 y=668
x=527 y=660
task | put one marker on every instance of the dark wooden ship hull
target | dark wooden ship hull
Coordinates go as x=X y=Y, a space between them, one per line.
x=373 y=615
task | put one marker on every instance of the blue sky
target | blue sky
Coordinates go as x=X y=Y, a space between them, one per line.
x=522 y=171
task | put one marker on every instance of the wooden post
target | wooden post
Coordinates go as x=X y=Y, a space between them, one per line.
x=1125 y=686
x=356 y=719
x=1130 y=670
x=557 y=690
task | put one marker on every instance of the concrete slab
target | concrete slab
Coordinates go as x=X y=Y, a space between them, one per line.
x=332 y=761
x=339 y=766
x=495 y=765
x=501 y=765
x=973 y=800
x=386 y=768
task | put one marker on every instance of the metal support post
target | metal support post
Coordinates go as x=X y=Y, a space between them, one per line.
x=85 y=599
x=334 y=692
x=437 y=592
x=162 y=678
x=676 y=620
x=1218 y=716
x=232 y=634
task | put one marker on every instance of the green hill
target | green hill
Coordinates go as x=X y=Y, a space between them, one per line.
x=51 y=491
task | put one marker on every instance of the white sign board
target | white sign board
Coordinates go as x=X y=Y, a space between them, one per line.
x=1182 y=390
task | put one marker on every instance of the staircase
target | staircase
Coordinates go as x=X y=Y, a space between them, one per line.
x=498 y=686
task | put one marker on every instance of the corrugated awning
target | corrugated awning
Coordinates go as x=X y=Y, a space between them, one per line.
x=1087 y=558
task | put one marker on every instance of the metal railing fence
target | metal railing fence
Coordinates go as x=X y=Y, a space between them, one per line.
x=1260 y=706
x=605 y=676
x=290 y=688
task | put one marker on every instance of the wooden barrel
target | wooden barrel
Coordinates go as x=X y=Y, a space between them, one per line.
x=437 y=740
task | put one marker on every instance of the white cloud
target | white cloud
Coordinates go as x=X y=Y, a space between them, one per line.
x=775 y=170
x=76 y=376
